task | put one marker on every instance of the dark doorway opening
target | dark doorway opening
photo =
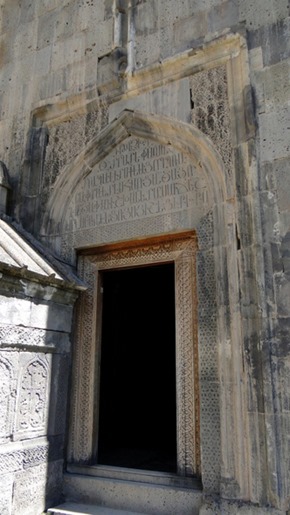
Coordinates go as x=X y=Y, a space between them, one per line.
x=137 y=417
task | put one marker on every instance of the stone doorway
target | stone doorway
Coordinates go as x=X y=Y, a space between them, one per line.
x=179 y=252
x=137 y=420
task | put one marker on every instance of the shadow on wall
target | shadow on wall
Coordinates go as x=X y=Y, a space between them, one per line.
x=36 y=302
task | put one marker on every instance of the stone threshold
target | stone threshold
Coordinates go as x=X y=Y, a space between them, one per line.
x=136 y=475
x=70 y=508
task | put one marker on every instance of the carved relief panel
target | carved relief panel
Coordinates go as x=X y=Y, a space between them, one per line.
x=141 y=187
x=32 y=401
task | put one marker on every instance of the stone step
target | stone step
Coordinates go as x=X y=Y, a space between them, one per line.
x=132 y=496
x=70 y=508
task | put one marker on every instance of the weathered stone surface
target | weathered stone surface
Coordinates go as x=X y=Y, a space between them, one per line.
x=171 y=100
x=33 y=486
x=273 y=40
x=211 y=81
x=118 y=494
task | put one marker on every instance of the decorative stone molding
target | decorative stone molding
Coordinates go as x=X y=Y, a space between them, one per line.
x=180 y=250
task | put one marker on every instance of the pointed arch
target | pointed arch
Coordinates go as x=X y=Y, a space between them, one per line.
x=164 y=130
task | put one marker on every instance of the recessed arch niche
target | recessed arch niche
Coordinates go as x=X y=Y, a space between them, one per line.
x=110 y=195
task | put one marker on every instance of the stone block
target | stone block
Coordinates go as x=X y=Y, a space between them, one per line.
x=171 y=100
x=250 y=209
x=6 y=489
x=146 y=18
x=28 y=11
x=46 y=29
x=258 y=14
x=274 y=129
x=276 y=80
x=252 y=276
x=29 y=490
x=132 y=496
x=148 y=51
x=37 y=488
x=60 y=373
x=226 y=507
x=223 y=16
x=10 y=17
x=219 y=214
x=42 y=61
x=90 y=16
x=6 y=52
x=281 y=173
x=282 y=286
x=242 y=179
x=270 y=217
x=43 y=316
x=278 y=461
x=23 y=72
x=67 y=51
x=284 y=255
x=256 y=59
x=14 y=311
x=107 y=73
x=75 y=75
x=67 y=21
x=29 y=337
x=257 y=456
x=32 y=396
x=25 y=40
x=9 y=369
x=104 y=38
x=48 y=5
x=274 y=39
x=188 y=32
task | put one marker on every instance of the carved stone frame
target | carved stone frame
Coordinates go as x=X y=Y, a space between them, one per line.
x=180 y=250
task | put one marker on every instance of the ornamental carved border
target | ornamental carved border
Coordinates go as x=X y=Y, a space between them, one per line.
x=181 y=250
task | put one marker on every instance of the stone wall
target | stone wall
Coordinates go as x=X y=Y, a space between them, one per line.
x=35 y=323
x=221 y=67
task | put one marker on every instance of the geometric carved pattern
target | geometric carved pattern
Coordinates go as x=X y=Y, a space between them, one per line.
x=10 y=334
x=23 y=458
x=187 y=368
x=17 y=460
x=181 y=250
x=81 y=426
x=211 y=113
x=208 y=369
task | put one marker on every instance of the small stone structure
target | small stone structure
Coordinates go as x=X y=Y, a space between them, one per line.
x=138 y=133
x=36 y=301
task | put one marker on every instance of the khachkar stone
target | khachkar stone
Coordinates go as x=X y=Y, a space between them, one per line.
x=32 y=397
x=139 y=184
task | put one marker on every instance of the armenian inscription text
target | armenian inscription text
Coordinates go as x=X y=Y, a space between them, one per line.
x=138 y=179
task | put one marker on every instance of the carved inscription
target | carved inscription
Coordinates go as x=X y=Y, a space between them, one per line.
x=33 y=397
x=139 y=179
